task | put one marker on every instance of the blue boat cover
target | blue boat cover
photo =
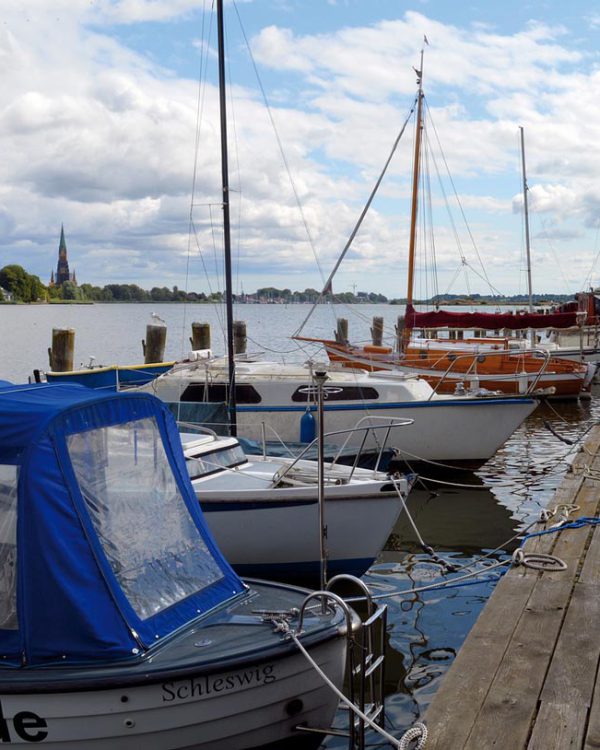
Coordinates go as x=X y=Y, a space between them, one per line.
x=103 y=548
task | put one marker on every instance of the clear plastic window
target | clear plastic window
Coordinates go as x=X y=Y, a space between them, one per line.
x=8 y=547
x=146 y=531
x=202 y=464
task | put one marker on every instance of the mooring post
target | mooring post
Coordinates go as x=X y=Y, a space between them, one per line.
x=377 y=331
x=63 y=349
x=400 y=333
x=154 y=344
x=341 y=332
x=239 y=336
x=200 y=338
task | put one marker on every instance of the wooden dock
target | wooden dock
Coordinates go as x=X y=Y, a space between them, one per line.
x=527 y=677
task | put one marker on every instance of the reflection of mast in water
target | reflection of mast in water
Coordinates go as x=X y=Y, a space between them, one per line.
x=452 y=519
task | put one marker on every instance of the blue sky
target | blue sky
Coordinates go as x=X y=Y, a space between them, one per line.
x=98 y=123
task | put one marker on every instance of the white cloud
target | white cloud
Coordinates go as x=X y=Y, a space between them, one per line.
x=101 y=137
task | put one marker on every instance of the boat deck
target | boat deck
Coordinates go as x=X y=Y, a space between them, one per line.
x=527 y=677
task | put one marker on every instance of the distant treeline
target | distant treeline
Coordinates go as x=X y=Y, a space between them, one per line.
x=16 y=285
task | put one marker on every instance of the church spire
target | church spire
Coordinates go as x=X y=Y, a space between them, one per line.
x=62 y=268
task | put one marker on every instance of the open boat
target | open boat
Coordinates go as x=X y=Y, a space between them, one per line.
x=121 y=624
x=110 y=377
x=263 y=510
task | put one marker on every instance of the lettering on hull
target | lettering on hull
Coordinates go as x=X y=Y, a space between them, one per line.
x=207 y=685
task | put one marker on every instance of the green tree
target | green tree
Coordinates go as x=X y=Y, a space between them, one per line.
x=24 y=286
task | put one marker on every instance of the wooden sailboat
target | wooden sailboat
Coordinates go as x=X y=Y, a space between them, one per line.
x=451 y=365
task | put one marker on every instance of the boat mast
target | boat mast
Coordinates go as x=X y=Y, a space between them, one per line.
x=231 y=400
x=527 y=243
x=415 y=198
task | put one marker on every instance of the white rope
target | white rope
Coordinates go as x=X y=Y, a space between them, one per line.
x=537 y=560
x=418 y=730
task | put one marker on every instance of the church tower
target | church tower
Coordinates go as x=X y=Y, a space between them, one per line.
x=62 y=268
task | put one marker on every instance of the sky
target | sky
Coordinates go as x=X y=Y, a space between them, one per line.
x=109 y=126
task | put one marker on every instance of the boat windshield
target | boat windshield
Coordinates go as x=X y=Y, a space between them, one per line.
x=201 y=464
x=8 y=547
x=149 y=538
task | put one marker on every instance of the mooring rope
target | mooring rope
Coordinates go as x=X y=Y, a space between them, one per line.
x=417 y=731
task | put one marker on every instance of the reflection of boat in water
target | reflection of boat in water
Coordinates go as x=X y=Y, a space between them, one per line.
x=121 y=624
x=452 y=519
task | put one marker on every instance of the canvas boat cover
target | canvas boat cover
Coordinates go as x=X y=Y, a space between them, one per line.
x=487 y=320
x=103 y=548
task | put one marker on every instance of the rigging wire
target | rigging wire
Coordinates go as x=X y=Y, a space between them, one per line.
x=354 y=232
x=280 y=144
x=201 y=93
x=484 y=275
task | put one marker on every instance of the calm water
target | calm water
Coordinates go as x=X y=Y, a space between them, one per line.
x=460 y=523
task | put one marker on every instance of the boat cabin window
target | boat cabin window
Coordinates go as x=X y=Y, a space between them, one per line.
x=217 y=392
x=8 y=547
x=201 y=464
x=335 y=393
x=148 y=536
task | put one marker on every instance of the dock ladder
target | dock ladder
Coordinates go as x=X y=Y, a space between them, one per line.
x=365 y=665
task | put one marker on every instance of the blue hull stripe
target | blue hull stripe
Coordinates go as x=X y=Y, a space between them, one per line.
x=304 y=570
x=208 y=507
x=368 y=406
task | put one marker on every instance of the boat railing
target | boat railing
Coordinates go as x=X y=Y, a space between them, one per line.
x=528 y=387
x=386 y=426
x=195 y=428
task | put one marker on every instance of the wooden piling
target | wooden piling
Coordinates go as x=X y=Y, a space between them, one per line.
x=200 y=338
x=377 y=331
x=63 y=349
x=400 y=333
x=154 y=344
x=341 y=332
x=239 y=337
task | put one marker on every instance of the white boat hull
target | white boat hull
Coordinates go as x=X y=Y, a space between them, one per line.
x=465 y=430
x=444 y=430
x=281 y=539
x=256 y=705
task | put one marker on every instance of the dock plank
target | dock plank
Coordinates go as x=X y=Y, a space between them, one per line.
x=592 y=739
x=559 y=725
x=526 y=678
x=514 y=692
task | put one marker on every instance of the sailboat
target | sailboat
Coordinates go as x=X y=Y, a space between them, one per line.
x=263 y=510
x=456 y=429
x=474 y=362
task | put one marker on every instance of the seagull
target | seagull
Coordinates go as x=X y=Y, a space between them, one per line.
x=157 y=319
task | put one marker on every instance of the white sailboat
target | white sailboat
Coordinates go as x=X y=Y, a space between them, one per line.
x=455 y=429
x=264 y=510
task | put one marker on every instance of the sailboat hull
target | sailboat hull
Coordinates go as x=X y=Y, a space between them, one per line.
x=444 y=430
x=281 y=539
x=458 y=430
